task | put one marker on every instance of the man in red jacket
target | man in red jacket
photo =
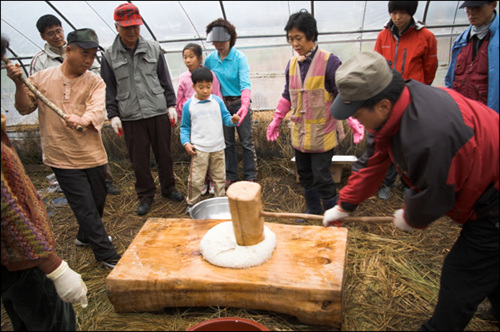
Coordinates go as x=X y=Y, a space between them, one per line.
x=411 y=49
x=446 y=148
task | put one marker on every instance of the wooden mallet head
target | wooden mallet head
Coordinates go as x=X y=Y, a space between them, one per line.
x=245 y=204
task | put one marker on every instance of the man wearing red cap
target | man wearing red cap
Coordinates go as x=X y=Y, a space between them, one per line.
x=140 y=100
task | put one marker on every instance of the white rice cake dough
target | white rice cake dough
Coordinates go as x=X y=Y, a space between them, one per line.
x=219 y=247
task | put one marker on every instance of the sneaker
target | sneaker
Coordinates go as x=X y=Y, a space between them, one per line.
x=211 y=190
x=384 y=193
x=111 y=262
x=112 y=190
x=204 y=191
x=86 y=244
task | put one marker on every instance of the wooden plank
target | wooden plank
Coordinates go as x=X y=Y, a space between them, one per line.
x=163 y=267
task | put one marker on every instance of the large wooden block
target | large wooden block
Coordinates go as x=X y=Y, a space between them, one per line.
x=163 y=267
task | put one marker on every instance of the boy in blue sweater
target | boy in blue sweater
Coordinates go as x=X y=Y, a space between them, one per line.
x=202 y=136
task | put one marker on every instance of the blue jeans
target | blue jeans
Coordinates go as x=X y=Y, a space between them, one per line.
x=245 y=137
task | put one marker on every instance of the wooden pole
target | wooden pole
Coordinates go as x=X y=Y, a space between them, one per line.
x=40 y=96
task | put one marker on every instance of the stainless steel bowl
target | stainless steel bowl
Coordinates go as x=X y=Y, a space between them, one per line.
x=211 y=208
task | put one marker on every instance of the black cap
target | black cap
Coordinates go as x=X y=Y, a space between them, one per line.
x=85 y=38
x=473 y=3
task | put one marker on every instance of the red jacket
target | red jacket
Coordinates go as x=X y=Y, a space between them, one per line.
x=413 y=54
x=445 y=146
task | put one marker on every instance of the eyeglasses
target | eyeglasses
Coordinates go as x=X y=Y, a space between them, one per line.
x=53 y=33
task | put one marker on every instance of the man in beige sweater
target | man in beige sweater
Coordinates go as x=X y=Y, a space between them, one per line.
x=77 y=158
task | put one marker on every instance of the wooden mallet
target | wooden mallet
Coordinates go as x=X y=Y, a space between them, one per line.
x=245 y=204
x=40 y=96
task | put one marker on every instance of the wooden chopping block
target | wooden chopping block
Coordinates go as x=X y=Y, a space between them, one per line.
x=163 y=267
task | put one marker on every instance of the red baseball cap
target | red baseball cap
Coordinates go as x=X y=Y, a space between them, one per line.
x=127 y=15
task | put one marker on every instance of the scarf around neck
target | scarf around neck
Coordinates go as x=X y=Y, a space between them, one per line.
x=302 y=58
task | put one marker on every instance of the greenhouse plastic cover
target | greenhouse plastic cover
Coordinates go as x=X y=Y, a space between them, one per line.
x=345 y=28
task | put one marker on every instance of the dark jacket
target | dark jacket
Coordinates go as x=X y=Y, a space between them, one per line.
x=445 y=146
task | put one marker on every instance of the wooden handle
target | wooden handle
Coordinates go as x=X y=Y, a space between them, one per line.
x=319 y=217
x=40 y=96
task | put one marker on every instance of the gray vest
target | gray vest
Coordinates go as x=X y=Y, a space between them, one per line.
x=138 y=91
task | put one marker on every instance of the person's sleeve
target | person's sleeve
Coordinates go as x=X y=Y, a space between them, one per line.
x=185 y=129
x=286 y=89
x=332 y=65
x=216 y=87
x=244 y=73
x=35 y=64
x=450 y=73
x=33 y=100
x=25 y=228
x=430 y=59
x=181 y=99
x=165 y=81
x=95 y=108
x=367 y=174
x=378 y=43
x=109 y=79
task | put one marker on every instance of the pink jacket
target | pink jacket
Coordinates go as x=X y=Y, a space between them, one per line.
x=185 y=90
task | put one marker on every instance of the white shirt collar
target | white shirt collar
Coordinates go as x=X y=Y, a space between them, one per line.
x=197 y=101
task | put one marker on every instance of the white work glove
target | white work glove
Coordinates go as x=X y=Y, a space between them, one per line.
x=69 y=285
x=172 y=114
x=332 y=216
x=400 y=222
x=116 y=124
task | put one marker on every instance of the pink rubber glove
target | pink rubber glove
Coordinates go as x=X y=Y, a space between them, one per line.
x=358 y=130
x=281 y=111
x=245 y=103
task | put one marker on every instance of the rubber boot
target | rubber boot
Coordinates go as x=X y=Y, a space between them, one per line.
x=329 y=203
x=313 y=204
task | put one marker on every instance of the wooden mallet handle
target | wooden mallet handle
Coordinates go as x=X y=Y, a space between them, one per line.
x=40 y=96
x=319 y=217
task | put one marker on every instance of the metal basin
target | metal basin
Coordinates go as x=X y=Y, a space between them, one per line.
x=211 y=208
